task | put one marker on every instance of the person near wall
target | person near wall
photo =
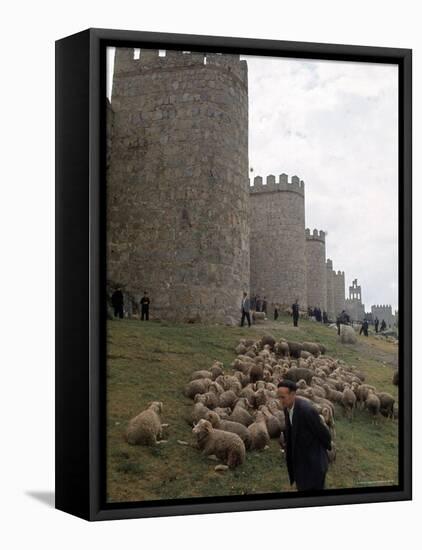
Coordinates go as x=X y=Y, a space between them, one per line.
x=295 y=313
x=145 y=301
x=117 y=302
x=305 y=440
x=246 y=308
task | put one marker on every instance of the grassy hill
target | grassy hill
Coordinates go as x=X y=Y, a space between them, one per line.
x=153 y=360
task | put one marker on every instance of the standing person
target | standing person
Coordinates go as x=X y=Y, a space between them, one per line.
x=117 y=302
x=338 y=323
x=145 y=301
x=264 y=305
x=383 y=325
x=295 y=313
x=305 y=440
x=253 y=303
x=376 y=323
x=258 y=303
x=245 y=310
x=275 y=312
x=324 y=317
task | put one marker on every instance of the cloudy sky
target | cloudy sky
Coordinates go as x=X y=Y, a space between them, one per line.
x=335 y=125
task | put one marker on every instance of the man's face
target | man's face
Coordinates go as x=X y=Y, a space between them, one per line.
x=286 y=397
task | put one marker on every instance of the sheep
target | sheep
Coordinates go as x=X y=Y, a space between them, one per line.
x=256 y=373
x=216 y=369
x=395 y=380
x=230 y=426
x=281 y=349
x=224 y=445
x=201 y=374
x=312 y=348
x=348 y=402
x=363 y=392
x=295 y=349
x=228 y=399
x=373 y=405
x=229 y=383
x=240 y=414
x=197 y=386
x=386 y=404
x=209 y=399
x=259 y=432
x=333 y=395
x=243 y=378
x=272 y=422
x=146 y=427
x=296 y=373
x=268 y=340
x=199 y=411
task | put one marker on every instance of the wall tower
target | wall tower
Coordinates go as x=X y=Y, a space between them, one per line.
x=316 y=271
x=177 y=193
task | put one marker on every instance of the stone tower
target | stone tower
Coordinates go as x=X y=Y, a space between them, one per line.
x=277 y=237
x=316 y=271
x=339 y=292
x=177 y=192
x=330 y=290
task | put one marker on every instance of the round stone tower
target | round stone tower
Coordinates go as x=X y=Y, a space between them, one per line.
x=330 y=290
x=177 y=193
x=339 y=292
x=316 y=271
x=278 y=260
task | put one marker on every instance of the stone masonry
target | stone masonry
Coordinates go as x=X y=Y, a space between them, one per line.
x=316 y=271
x=177 y=192
x=277 y=239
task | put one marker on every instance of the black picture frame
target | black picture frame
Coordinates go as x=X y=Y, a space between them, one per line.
x=80 y=271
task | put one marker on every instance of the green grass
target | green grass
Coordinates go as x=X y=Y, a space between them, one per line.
x=153 y=361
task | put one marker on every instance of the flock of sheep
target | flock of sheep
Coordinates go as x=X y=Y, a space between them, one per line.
x=238 y=411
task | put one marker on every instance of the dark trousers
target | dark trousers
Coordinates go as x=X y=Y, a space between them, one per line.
x=145 y=313
x=318 y=485
x=248 y=317
x=118 y=311
x=295 y=319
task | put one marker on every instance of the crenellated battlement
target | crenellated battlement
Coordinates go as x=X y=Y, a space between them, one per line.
x=296 y=185
x=125 y=62
x=315 y=235
x=329 y=264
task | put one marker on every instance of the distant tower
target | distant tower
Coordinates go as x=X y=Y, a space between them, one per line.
x=354 y=306
x=316 y=271
x=277 y=237
x=339 y=292
x=330 y=290
x=177 y=193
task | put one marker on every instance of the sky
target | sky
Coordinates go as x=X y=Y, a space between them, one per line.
x=335 y=125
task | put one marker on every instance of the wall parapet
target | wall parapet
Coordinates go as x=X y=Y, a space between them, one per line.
x=295 y=185
x=315 y=235
x=150 y=58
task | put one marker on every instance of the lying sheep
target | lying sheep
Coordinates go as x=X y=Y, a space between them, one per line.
x=226 y=446
x=146 y=427
x=259 y=432
x=240 y=414
x=194 y=387
x=201 y=374
x=209 y=399
x=229 y=426
x=272 y=422
x=228 y=399
x=199 y=411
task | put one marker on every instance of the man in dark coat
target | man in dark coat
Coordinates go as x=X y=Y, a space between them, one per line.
x=376 y=323
x=117 y=302
x=245 y=308
x=295 y=313
x=306 y=440
x=145 y=301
